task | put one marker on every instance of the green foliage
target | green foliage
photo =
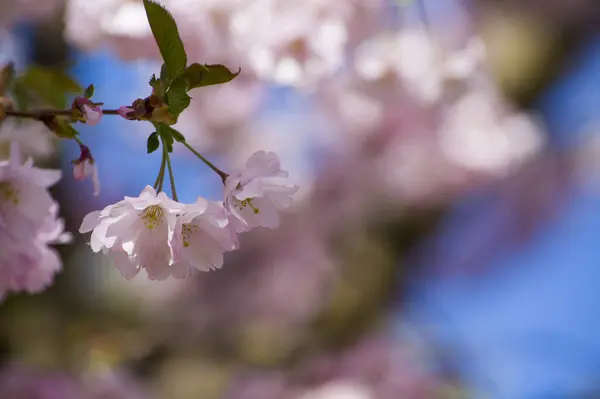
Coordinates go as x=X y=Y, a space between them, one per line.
x=168 y=135
x=89 y=92
x=157 y=85
x=43 y=85
x=64 y=129
x=167 y=38
x=199 y=75
x=176 y=135
x=153 y=143
x=177 y=98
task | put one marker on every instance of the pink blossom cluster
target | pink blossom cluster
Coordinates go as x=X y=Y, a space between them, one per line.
x=29 y=226
x=168 y=238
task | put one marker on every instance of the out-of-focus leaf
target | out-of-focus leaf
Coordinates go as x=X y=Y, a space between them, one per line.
x=49 y=86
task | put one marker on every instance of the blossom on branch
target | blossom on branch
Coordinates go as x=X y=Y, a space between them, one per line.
x=202 y=236
x=91 y=113
x=85 y=167
x=135 y=233
x=29 y=224
x=254 y=196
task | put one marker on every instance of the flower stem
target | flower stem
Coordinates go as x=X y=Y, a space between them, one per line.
x=218 y=171
x=158 y=183
x=171 y=177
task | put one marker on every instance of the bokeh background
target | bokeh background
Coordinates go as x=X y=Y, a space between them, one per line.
x=445 y=242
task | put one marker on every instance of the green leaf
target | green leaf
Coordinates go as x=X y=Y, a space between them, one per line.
x=176 y=135
x=167 y=38
x=153 y=143
x=65 y=129
x=163 y=72
x=199 y=75
x=89 y=92
x=48 y=86
x=20 y=96
x=157 y=85
x=177 y=98
x=165 y=133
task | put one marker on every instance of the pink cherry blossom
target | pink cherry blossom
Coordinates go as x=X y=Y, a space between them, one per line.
x=124 y=111
x=254 y=196
x=30 y=264
x=135 y=233
x=202 y=235
x=85 y=167
x=91 y=113
x=24 y=199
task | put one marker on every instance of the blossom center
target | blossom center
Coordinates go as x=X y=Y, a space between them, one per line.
x=9 y=193
x=153 y=216
x=247 y=203
x=187 y=230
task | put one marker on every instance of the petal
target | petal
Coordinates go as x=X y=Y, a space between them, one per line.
x=44 y=177
x=79 y=171
x=124 y=264
x=92 y=114
x=158 y=269
x=15 y=158
x=90 y=222
x=261 y=164
x=95 y=180
x=181 y=270
x=267 y=215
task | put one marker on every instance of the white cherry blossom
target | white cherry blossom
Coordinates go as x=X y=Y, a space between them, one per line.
x=202 y=235
x=135 y=233
x=254 y=196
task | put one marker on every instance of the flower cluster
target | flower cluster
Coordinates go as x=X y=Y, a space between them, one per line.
x=169 y=238
x=28 y=226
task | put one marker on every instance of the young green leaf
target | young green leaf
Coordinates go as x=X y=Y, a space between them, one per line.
x=165 y=133
x=177 y=98
x=163 y=72
x=153 y=143
x=167 y=38
x=199 y=75
x=89 y=92
x=48 y=86
x=177 y=135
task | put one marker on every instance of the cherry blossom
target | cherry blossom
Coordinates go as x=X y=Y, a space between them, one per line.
x=85 y=167
x=24 y=199
x=254 y=196
x=124 y=111
x=91 y=113
x=135 y=233
x=30 y=264
x=202 y=235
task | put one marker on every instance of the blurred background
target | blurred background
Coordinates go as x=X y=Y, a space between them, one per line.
x=445 y=242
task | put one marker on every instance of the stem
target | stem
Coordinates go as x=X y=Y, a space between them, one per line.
x=171 y=177
x=158 y=183
x=40 y=113
x=218 y=171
